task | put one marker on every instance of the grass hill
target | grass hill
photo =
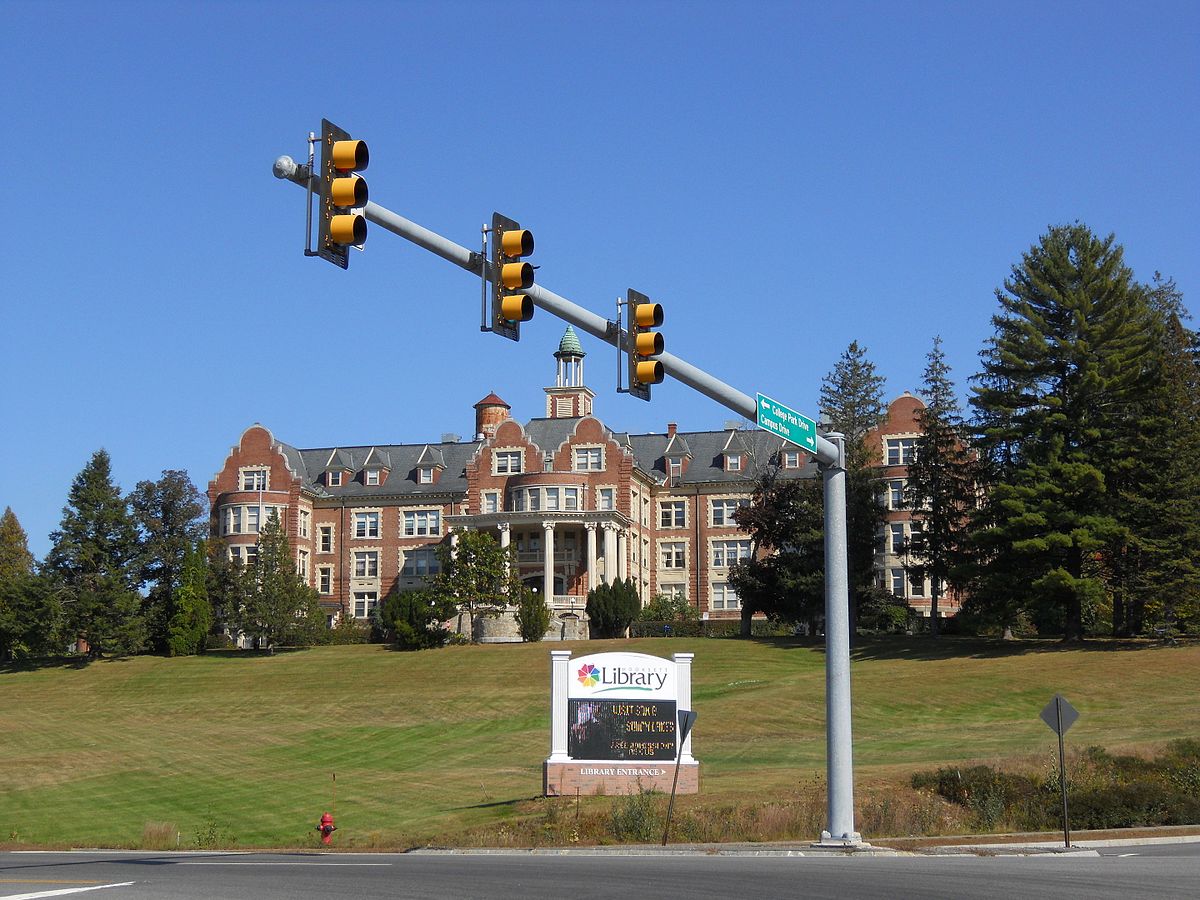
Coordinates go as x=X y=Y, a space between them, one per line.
x=239 y=748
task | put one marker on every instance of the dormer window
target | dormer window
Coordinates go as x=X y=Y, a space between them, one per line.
x=791 y=459
x=425 y=475
x=675 y=468
x=733 y=462
x=333 y=479
x=371 y=476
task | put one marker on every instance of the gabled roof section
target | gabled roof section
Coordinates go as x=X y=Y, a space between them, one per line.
x=337 y=459
x=677 y=445
x=377 y=459
x=735 y=443
x=431 y=456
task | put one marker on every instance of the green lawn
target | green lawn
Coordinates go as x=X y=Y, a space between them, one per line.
x=436 y=742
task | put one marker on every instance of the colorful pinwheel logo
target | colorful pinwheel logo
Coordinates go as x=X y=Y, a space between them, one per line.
x=589 y=675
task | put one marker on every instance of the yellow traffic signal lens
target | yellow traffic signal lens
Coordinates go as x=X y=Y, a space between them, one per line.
x=648 y=315
x=350 y=156
x=516 y=275
x=348 y=229
x=516 y=308
x=650 y=371
x=649 y=343
x=517 y=243
x=350 y=191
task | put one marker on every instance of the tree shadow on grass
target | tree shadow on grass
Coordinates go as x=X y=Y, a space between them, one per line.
x=945 y=647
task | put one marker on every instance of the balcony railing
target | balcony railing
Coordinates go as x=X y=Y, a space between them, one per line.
x=536 y=556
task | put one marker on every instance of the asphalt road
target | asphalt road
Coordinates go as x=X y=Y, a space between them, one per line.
x=1158 y=871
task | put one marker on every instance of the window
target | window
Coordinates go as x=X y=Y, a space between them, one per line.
x=723 y=510
x=516 y=501
x=302 y=564
x=733 y=462
x=900 y=451
x=235 y=552
x=366 y=524
x=425 y=475
x=675 y=468
x=897 y=530
x=254 y=479
x=325 y=579
x=325 y=539
x=371 y=476
x=898 y=582
x=672 y=554
x=791 y=459
x=726 y=553
x=333 y=479
x=422 y=522
x=491 y=501
x=420 y=562
x=233 y=520
x=534 y=501
x=507 y=462
x=607 y=499
x=672 y=514
x=896 y=494
x=570 y=498
x=252 y=513
x=589 y=459
x=305 y=519
x=675 y=591
x=724 y=597
x=916 y=586
x=548 y=462
x=366 y=563
x=365 y=603
x=251 y=554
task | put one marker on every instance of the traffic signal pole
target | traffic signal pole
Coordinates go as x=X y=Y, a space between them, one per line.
x=830 y=456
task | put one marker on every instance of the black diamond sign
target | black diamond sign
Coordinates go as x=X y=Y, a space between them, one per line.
x=1059 y=715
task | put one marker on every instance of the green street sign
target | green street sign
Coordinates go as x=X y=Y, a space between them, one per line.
x=787 y=423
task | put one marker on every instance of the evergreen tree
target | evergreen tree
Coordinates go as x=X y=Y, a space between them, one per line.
x=852 y=400
x=1155 y=571
x=476 y=574
x=533 y=616
x=93 y=558
x=30 y=615
x=784 y=578
x=170 y=516
x=612 y=607
x=191 y=615
x=1073 y=348
x=941 y=483
x=279 y=608
x=414 y=619
x=15 y=558
x=224 y=584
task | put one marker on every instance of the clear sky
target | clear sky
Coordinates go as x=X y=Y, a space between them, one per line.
x=784 y=178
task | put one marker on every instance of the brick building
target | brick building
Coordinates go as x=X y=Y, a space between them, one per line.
x=582 y=503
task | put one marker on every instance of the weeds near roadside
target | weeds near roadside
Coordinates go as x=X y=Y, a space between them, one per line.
x=159 y=836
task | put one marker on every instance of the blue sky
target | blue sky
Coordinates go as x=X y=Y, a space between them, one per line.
x=783 y=177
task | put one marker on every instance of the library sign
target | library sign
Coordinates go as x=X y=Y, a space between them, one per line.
x=614 y=724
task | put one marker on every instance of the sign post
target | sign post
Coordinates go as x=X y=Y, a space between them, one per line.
x=687 y=718
x=1060 y=715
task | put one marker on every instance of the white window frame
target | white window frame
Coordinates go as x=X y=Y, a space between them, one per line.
x=255 y=478
x=791 y=459
x=419 y=562
x=723 y=596
x=900 y=450
x=896 y=493
x=302 y=564
x=896 y=537
x=570 y=498
x=727 y=553
x=304 y=523
x=334 y=478
x=421 y=522
x=322 y=531
x=588 y=458
x=672 y=554
x=369 y=601
x=489 y=502
x=899 y=582
x=325 y=580
x=513 y=459
x=726 y=507
x=371 y=477
x=606 y=499
x=367 y=524
x=366 y=563
x=425 y=475
x=666 y=514
x=733 y=462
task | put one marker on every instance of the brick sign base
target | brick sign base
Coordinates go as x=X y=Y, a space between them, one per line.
x=574 y=778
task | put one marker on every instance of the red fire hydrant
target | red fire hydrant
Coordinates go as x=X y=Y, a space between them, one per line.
x=327 y=828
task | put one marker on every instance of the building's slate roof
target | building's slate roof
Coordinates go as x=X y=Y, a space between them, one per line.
x=403 y=462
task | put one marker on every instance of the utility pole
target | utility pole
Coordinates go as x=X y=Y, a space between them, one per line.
x=829 y=451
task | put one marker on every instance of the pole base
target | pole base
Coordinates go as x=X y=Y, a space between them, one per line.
x=853 y=839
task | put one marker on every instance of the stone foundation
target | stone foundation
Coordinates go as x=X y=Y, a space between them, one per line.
x=607 y=777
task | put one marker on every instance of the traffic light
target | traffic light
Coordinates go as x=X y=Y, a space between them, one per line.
x=642 y=343
x=510 y=242
x=343 y=194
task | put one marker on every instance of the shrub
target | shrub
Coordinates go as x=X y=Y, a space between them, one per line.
x=668 y=609
x=635 y=817
x=612 y=607
x=533 y=616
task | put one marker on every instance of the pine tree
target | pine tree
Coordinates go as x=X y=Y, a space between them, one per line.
x=940 y=487
x=477 y=575
x=169 y=514
x=93 y=557
x=852 y=400
x=279 y=608
x=784 y=578
x=15 y=558
x=191 y=616
x=612 y=607
x=1056 y=406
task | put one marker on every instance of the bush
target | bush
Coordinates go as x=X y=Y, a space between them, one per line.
x=349 y=630
x=533 y=616
x=413 y=619
x=664 y=608
x=612 y=607
x=635 y=818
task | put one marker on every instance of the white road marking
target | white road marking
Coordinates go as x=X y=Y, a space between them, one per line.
x=206 y=862
x=1123 y=855
x=64 y=891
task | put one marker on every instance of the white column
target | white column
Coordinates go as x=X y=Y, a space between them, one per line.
x=622 y=561
x=559 y=672
x=591 y=554
x=505 y=540
x=548 y=565
x=683 y=697
x=610 y=554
